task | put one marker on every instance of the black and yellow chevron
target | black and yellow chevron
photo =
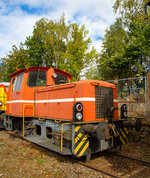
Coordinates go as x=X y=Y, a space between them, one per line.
x=123 y=135
x=81 y=142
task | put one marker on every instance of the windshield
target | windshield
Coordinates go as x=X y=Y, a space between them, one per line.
x=17 y=82
x=37 y=78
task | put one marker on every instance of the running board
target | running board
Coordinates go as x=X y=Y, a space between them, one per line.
x=46 y=143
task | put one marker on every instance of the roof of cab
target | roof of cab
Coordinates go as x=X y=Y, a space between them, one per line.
x=41 y=68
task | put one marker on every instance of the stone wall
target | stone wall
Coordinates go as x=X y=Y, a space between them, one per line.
x=135 y=109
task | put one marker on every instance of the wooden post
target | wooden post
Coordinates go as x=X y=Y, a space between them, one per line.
x=148 y=96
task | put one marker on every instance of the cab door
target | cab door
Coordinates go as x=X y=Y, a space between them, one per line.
x=16 y=95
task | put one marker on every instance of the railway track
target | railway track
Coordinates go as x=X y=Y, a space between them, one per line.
x=107 y=168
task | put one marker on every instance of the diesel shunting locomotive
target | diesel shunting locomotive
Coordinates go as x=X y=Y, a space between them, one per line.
x=71 y=118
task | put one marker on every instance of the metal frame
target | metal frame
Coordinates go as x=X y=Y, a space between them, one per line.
x=145 y=85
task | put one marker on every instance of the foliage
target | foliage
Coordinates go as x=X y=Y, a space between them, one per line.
x=16 y=59
x=78 y=57
x=125 y=52
x=138 y=50
x=130 y=10
x=52 y=44
x=112 y=63
x=126 y=44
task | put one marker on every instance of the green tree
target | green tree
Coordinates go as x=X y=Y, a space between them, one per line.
x=130 y=9
x=47 y=45
x=16 y=59
x=138 y=50
x=78 y=55
x=125 y=53
x=126 y=44
x=112 y=62
x=53 y=44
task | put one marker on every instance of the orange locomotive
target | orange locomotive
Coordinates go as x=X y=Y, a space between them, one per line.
x=76 y=118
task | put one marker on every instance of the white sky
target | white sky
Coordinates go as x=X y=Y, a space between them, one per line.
x=17 y=18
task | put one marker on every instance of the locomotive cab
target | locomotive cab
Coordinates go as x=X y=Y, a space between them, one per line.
x=24 y=82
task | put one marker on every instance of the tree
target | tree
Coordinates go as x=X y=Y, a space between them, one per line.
x=132 y=13
x=138 y=50
x=47 y=45
x=78 y=55
x=112 y=62
x=125 y=52
x=16 y=59
x=126 y=44
x=130 y=10
x=53 y=44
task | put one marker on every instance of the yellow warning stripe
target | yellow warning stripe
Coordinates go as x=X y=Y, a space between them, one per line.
x=125 y=129
x=78 y=137
x=124 y=135
x=122 y=140
x=79 y=146
x=84 y=149
x=77 y=128
x=80 y=142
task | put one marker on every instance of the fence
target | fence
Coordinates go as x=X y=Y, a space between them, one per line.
x=132 y=91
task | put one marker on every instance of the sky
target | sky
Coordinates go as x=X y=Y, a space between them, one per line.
x=17 y=18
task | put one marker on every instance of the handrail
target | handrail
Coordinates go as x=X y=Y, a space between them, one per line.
x=62 y=134
x=57 y=121
x=24 y=106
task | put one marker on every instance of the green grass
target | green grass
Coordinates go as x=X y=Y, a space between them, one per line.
x=40 y=160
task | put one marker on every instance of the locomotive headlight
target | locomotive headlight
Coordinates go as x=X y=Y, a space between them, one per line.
x=79 y=107
x=78 y=112
x=54 y=75
x=1 y=103
x=125 y=114
x=79 y=116
x=124 y=111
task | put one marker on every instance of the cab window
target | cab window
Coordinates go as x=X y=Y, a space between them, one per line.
x=60 y=79
x=18 y=82
x=13 y=84
x=36 y=78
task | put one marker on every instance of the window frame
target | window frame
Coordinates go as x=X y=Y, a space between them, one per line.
x=16 y=80
x=62 y=75
x=36 y=78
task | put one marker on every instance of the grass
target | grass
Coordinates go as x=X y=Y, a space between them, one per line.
x=40 y=160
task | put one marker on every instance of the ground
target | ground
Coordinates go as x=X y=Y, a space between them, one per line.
x=19 y=158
